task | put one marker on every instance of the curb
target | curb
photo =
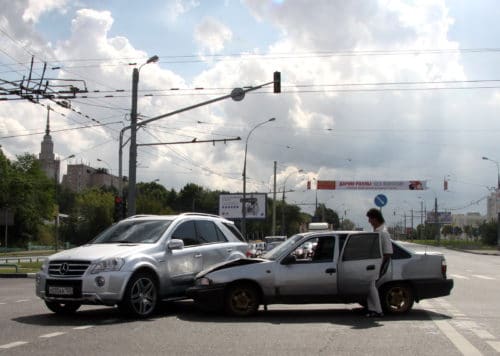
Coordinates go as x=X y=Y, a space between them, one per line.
x=475 y=252
x=17 y=275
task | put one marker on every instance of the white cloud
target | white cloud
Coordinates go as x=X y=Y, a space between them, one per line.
x=37 y=8
x=211 y=35
x=177 y=8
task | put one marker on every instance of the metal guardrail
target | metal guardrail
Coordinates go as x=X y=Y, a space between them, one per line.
x=10 y=265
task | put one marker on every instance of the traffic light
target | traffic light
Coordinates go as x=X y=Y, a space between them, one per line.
x=118 y=213
x=277 y=82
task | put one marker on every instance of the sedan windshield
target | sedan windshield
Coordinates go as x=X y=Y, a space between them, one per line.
x=281 y=248
x=134 y=231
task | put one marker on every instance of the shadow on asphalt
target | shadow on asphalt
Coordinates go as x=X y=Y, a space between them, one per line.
x=187 y=311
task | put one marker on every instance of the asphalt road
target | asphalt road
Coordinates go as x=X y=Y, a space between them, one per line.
x=467 y=322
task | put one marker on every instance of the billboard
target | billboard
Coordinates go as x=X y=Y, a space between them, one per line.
x=371 y=185
x=444 y=217
x=230 y=206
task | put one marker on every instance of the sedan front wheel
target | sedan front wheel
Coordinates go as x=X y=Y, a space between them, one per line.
x=242 y=299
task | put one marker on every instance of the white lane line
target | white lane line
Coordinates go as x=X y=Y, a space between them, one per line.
x=483 y=277
x=2 y=303
x=457 y=276
x=53 y=334
x=475 y=328
x=495 y=345
x=460 y=342
x=13 y=344
x=83 y=327
x=22 y=300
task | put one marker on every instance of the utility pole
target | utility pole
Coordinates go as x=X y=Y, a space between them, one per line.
x=132 y=161
x=273 y=232
x=438 y=233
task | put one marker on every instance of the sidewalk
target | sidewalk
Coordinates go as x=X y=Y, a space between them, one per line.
x=478 y=252
x=17 y=275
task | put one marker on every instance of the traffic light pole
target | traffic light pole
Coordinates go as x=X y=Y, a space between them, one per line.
x=236 y=94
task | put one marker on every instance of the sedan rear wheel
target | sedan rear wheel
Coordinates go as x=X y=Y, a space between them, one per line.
x=242 y=299
x=63 y=308
x=397 y=298
x=141 y=296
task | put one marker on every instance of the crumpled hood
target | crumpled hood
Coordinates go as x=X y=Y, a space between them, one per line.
x=97 y=252
x=229 y=264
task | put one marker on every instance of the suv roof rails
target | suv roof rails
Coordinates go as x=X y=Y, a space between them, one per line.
x=140 y=216
x=203 y=214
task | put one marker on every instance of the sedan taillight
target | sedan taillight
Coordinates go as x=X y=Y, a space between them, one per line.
x=443 y=268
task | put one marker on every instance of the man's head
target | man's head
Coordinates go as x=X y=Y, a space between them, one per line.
x=375 y=217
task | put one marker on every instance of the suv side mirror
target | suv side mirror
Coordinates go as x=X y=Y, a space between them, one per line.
x=175 y=244
x=288 y=260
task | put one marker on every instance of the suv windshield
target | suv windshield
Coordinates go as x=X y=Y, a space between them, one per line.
x=133 y=231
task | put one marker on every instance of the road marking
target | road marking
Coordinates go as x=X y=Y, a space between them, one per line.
x=475 y=328
x=460 y=342
x=53 y=334
x=2 y=303
x=495 y=345
x=83 y=327
x=458 y=276
x=22 y=300
x=13 y=344
x=483 y=277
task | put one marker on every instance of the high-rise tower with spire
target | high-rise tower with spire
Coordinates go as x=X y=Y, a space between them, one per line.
x=49 y=164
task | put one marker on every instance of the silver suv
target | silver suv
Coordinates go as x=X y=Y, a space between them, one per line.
x=137 y=262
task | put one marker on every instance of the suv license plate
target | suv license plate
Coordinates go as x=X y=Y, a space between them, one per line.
x=61 y=290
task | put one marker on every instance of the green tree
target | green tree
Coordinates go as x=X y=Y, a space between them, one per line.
x=347 y=224
x=488 y=232
x=93 y=212
x=27 y=191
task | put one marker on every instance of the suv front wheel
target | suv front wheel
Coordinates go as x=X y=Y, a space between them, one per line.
x=141 y=296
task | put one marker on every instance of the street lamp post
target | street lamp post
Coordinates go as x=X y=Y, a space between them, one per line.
x=283 y=201
x=497 y=191
x=243 y=203
x=133 y=139
x=56 y=221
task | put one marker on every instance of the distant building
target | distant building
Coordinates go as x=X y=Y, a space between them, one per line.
x=49 y=164
x=469 y=219
x=82 y=176
x=493 y=206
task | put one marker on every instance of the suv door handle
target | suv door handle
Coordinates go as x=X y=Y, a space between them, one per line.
x=370 y=267
x=229 y=250
x=330 y=271
x=198 y=255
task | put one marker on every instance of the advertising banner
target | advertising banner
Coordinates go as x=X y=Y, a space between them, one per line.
x=443 y=217
x=372 y=185
x=230 y=206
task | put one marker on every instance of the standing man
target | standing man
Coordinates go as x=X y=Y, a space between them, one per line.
x=376 y=220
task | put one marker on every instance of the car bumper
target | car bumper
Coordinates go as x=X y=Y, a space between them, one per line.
x=210 y=297
x=86 y=289
x=432 y=288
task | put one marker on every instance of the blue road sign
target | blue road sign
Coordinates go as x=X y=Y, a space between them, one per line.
x=380 y=200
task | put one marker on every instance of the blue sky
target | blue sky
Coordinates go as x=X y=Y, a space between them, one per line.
x=372 y=90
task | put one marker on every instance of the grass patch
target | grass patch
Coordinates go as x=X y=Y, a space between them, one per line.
x=458 y=244
x=23 y=267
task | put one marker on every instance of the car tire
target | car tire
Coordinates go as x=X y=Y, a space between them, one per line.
x=63 y=308
x=242 y=299
x=141 y=296
x=397 y=298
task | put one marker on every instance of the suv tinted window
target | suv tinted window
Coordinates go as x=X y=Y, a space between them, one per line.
x=187 y=233
x=398 y=253
x=362 y=247
x=208 y=232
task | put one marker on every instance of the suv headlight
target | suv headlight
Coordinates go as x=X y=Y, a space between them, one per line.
x=108 y=265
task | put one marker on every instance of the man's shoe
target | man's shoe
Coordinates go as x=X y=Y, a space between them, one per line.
x=373 y=314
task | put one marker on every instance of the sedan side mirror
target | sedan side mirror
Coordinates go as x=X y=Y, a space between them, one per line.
x=175 y=244
x=288 y=260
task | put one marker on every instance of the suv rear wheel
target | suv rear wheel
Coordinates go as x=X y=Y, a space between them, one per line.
x=141 y=296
